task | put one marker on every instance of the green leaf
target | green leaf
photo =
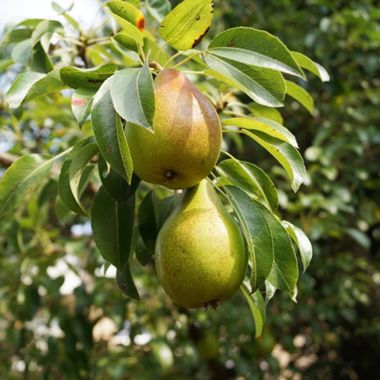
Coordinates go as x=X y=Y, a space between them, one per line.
x=288 y=156
x=109 y=134
x=257 y=307
x=125 y=282
x=4 y=64
x=186 y=25
x=251 y=179
x=90 y=79
x=40 y=61
x=20 y=88
x=22 y=52
x=44 y=31
x=148 y=221
x=31 y=85
x=74 y=176
x=132 y=93
x=301 y=95
x=255 y=47
x=81 y=102
x=311 y=66
x=112 y=226
x=124 y=150
x=116 y=186
x=268 y=112
x=256 y=232
x=158 y=8
x=284 y=273
x=126 y=42
x=264 y=125
x=77 y=169
x=271 y=242
x=303 y=243
x=264 y=86
x=22 y=178
x=126 y=13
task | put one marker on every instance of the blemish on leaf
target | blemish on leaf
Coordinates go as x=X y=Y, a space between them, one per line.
x=140 y=23
x=79 y=102
x=198 y=18
x=198 y=40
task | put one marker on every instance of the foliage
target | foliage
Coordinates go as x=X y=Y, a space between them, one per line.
x=45 y=242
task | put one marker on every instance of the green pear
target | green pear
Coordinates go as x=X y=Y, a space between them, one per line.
x=184 y=145
x=200 y=253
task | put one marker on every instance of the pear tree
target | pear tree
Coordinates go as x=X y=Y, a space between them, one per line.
x=162 y=102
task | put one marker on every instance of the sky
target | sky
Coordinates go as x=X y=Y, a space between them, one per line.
x=17 y=10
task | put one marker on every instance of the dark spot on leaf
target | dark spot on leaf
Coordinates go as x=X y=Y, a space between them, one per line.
x=140 y=23
x=198 y=18
x=231 y=43
x=198 y=40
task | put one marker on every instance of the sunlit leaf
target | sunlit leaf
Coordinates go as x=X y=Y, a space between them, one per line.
x=186 y=25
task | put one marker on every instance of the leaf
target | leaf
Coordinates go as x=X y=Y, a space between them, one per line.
x=31 y=85
x=107 y=130
x=126 y=13
x=20 y=88
x=311 y=66
x=73 y=179
x=116 y=186
x=112 y=226
x=303 y=243
x=78 y=167
x=90 y=79
x=22 y=178
x=132 y=93
x=264 y=86
x=40 y=61
x=257 y=307
x=81 y=102
x=186 y=25
x=270 y=291
x=288 y=156
x=148 y=221
x=126 y=42
x=4 y=64
x=262 y=124
x=268 y=112
x=256 y=232
x=158 y=8
x=251 y=179
x=44 y=31
x=124 y=150
x=301 y=95
x=271 y=242
x=255 y=47
x=22 y=52
x=125 y=282
x=284 y=272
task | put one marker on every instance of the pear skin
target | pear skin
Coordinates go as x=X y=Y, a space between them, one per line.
x=184 y=145
x=200 y=253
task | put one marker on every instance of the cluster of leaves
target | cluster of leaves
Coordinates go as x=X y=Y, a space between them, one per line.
x=337 y=313
x=121 y=91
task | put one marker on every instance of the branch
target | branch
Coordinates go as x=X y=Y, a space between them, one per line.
x=7 y=159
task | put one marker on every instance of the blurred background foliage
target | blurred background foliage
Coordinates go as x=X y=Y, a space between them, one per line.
x=62 y=317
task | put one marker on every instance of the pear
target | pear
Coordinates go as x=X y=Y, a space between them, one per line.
x=200 y=253
x=184 y=145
